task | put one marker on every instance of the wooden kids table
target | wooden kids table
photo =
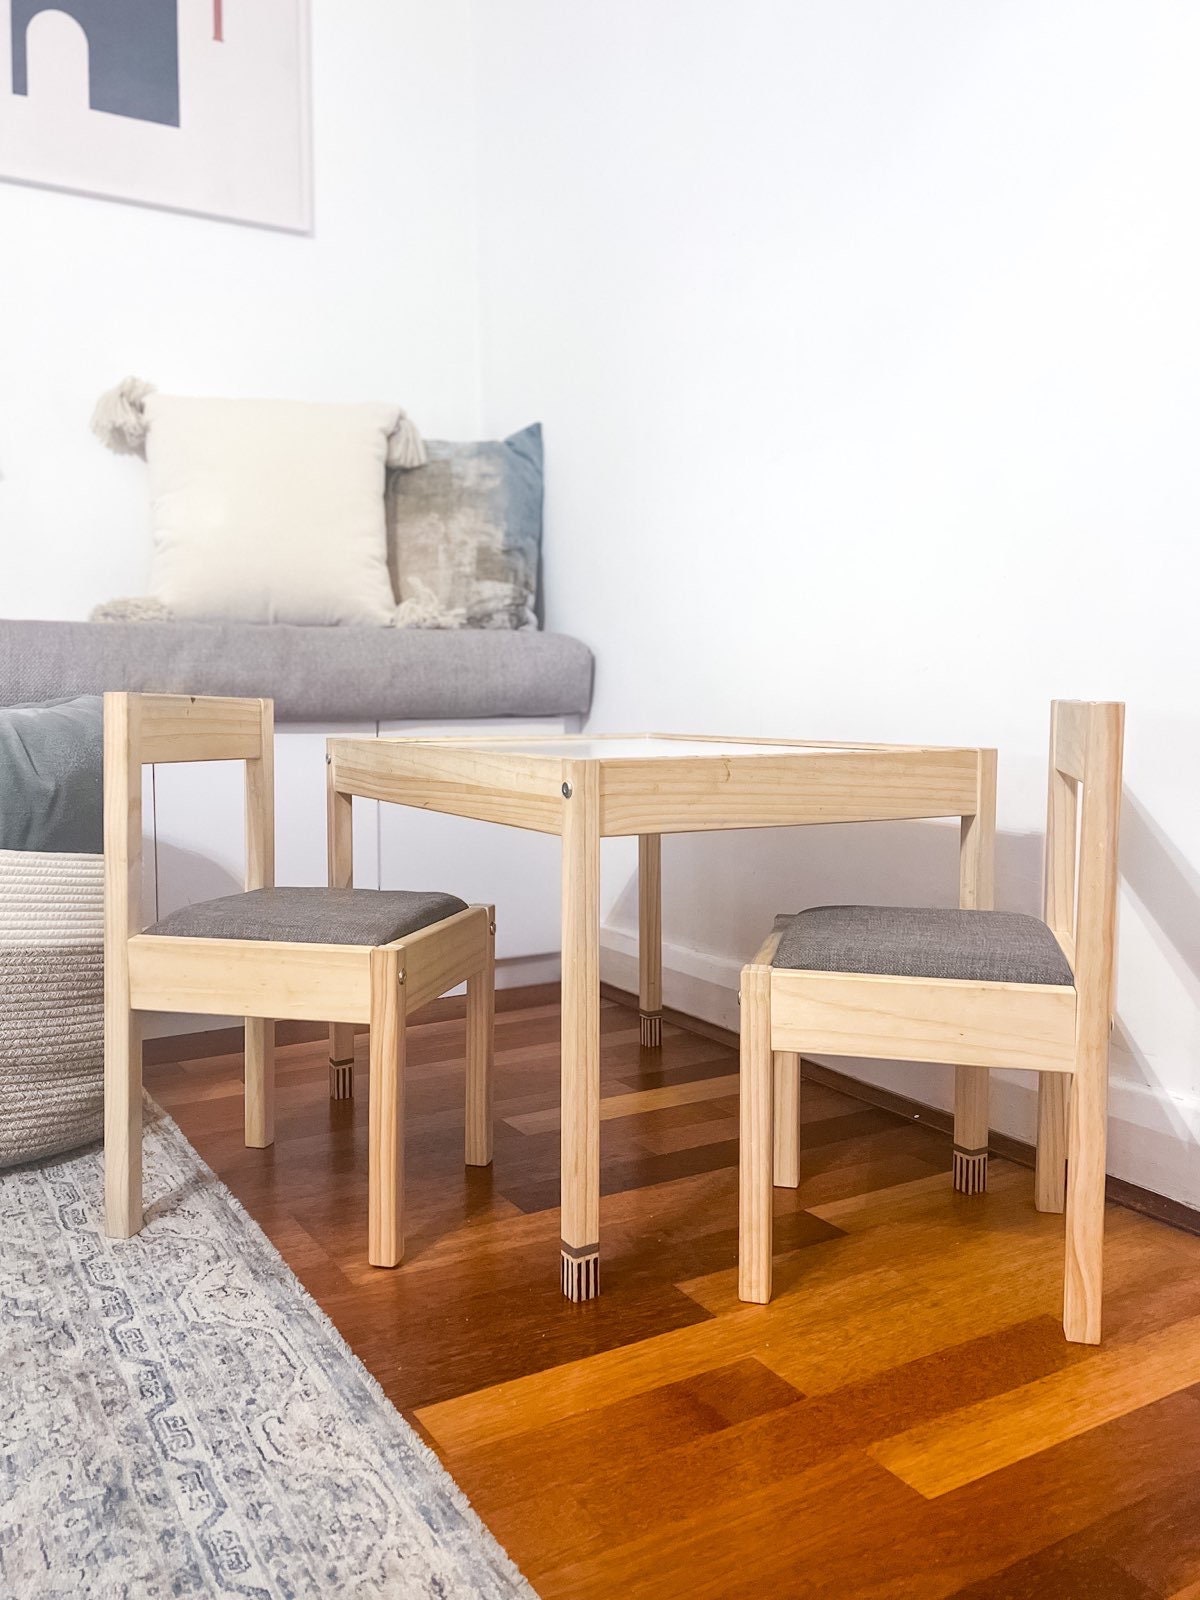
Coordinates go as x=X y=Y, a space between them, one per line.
x=587 y=788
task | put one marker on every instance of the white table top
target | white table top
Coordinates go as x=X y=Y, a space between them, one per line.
x=651 y=747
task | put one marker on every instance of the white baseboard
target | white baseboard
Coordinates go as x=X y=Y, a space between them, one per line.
x=172 y=1024
x=700 y=984
x=1153 y=1136
x=516 y=972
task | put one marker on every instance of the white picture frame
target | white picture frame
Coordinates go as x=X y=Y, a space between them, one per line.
x=201 y=106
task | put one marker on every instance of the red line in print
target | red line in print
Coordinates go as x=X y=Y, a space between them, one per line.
x=219 y=21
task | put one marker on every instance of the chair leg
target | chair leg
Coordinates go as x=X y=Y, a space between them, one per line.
x=970 y=1129
x=385 y=1112
x=1050 y=1180
x=756 y=1161
x=122 y=1123
x=341 y=1061
x=787 y=1119
x=481 y=1020
x=260 y=1083
x=1087 y=1148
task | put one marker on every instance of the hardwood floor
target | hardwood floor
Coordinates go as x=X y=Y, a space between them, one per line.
x=905 y=1419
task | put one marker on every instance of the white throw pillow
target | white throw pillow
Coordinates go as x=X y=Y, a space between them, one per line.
x=269 y=510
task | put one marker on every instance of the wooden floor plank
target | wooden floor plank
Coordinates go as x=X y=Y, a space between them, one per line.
x=631 y=1491
x=845 y=1527
x=625 y=1105
x=1148 y=1548
x=1118 y=1378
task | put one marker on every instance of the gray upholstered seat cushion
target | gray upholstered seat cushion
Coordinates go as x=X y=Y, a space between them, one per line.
x=51 y=777
x=313 y=674
x=311 y=916
x=918 y=942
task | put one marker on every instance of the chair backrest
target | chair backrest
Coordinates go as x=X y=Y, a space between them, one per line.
x=1082 y=821
x=141 y=729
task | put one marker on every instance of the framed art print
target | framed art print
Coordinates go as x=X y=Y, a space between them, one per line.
x=194 y=105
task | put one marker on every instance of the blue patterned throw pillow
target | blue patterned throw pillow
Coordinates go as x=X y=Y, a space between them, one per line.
x=465 y=534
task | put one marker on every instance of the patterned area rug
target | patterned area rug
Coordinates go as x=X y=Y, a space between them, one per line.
x=178 y=1418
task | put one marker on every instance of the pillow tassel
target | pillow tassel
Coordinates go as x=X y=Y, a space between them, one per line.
x=406 y=448
x=137 y=608
x=119 y=420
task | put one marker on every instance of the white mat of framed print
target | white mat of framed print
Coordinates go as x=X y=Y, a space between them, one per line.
x=195 y=105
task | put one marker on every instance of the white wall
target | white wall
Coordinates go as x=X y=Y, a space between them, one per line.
x=866 y=341
x=381 y=302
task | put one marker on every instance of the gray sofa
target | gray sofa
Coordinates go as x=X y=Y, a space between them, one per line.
x=313 y=674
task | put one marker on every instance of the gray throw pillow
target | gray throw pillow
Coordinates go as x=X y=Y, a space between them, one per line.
x=51 y=776
x=465 y=534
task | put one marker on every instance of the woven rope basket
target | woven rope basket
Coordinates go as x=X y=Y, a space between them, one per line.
x=52 y=1003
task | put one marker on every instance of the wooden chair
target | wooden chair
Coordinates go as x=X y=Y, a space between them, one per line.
x=347 y=955
x=980 y=989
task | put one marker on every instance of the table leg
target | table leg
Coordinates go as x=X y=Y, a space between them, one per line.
x=340 y=839
x=650 y=938
x=976 y=891
x=786 y=1119
x=581 y=1031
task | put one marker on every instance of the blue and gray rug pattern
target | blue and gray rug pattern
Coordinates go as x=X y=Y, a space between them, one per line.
x=178 y=1418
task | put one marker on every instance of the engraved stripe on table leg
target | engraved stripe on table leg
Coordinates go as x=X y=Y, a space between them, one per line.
x=970 y=1170
x=651 y=1030
x=341 y=1079
x=580 y=1271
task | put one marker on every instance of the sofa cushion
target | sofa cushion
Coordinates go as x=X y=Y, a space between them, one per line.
x=312 y=674
x=51 y=787
x=311 y=916
x=918 y=942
